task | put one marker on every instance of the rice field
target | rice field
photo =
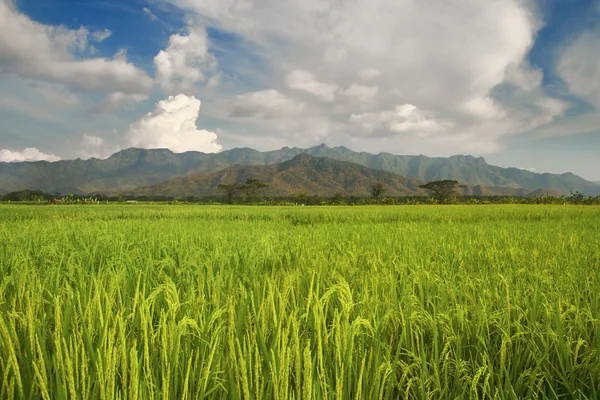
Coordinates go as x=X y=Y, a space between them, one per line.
x=191 y=302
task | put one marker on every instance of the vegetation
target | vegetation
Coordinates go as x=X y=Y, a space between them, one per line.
x=27 y=195
x=442 y=190
x=140 y=301
x=252 y=188
x=229 y=190
x=304 y=198
x=132 y=168
x=316 y=175
x=378 y=189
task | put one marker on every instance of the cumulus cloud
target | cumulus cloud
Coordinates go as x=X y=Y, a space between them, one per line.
x=405 y=118
x=172 y=125
x=303 y=80
x=484 y=108
x=447 y=58
x=41 y=52
x=183 y=63
x=91 y=146
x=28 y=154
x=265 y=104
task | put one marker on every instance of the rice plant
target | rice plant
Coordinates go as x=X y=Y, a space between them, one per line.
x=191 y=302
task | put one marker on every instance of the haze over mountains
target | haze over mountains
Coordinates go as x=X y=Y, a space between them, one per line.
x=136 y=168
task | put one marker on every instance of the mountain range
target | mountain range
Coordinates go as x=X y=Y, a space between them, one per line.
x=311 y=175
x=134 y=168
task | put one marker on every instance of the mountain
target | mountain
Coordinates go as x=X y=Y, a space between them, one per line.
x=131 y=168
x=306 y=174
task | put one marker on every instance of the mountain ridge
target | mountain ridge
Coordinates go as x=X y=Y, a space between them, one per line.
x=307 y=174
x=131 y=168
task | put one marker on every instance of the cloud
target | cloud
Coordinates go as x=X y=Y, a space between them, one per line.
x=369 y=73
x=579 y=67
x=91 y=146
x=464 y=61
x=149 y=13
x=172 y=125
x=403 y=119
x=303 y=80
x=41 y=52
x=101 y=36
x=28 y=154
x=183 y=63
x=484 y=108
x=265 y=104
x=527 y=169
x=56 y=94
x=361 y=92
x=116 y=100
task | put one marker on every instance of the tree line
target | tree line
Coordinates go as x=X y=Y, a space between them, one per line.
x=252 y=192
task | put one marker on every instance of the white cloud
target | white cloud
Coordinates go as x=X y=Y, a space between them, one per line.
x=524 y=76
x=369 y=73
x=55 y=94
x=449 y=58
x=172 y=125
x=28 y=154
x=91 y=146
x=101 y=36
x=579 y=67
x=149 y=13
x=361 y=92
x=303 y=80
x=484 y=108
x=183 y=63
x=527 y=169
x=265 y=104
x=116 y=100
x=403 y=119
x=92 y=141
x=41 y=52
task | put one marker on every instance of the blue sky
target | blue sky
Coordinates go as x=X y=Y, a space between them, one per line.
x=517 y=82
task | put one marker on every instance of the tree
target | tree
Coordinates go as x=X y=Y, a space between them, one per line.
x=578 y=197
x=302 y=197
x=442 y=190
x=230 y=190
x=252 y=187
x=339 y=197
x=377 y=189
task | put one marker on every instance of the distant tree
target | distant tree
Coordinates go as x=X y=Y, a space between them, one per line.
x=302 y=197
x=230 y=190
x=252 y=187
x=339 y=198
x=120 y=197
x=378 y=189
x=442 y=190
x=577 y=197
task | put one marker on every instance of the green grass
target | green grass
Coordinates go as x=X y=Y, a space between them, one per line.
x=182 y=302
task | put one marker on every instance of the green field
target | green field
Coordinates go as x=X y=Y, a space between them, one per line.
x=181 y=302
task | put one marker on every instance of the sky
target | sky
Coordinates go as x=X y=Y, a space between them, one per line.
x=514 y=81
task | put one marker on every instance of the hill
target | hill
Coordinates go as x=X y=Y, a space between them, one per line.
x=131 y=168
x=305 y=174
x=315 y=175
